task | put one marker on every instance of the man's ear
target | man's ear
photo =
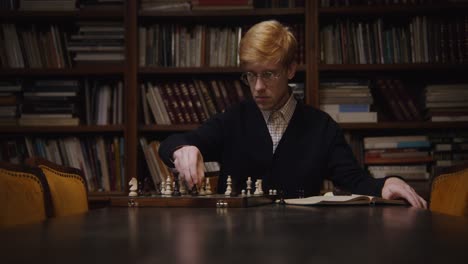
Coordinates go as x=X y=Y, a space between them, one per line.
x=292 y=70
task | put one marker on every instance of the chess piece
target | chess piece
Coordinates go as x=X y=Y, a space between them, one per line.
x=168 y=186
x=183 y=188
x=281 y=195
x=228 y=186
x=256 y=192
x=202 y=189
x=133 y=184
x=249 y=186
x=194 y=191
x=243 y=192
x=176 y=191
x=260 y=187
x=208 y=187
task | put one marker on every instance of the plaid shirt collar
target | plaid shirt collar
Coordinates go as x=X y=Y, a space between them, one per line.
x=287 y=110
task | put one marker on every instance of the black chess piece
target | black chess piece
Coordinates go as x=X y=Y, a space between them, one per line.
x=194 y=191
x=281 y=196
x=176 y=191
x=234 y=191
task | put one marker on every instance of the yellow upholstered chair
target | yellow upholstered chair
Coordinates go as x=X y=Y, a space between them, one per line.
x=24 y=195
x=449 y=192
x=67 y=185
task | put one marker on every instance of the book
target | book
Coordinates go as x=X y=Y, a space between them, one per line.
x=353 y=199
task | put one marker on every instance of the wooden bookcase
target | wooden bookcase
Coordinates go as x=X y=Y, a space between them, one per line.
x=312 y=15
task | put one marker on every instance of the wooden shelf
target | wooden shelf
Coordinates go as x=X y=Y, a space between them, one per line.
x=196 y=70
x=168 y=128
x=389 y=67
x=380 y=10
x=94 y=69
x=404 y=125
x=62 y=129
x=224 y=13
x=94 y=14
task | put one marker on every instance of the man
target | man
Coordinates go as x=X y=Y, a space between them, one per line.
x=290 y=146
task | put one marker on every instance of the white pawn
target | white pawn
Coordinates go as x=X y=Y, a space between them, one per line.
x=208 y=187
x=243 y=192
x=133 y=183
x=228 y=186
x=168 y=186
x=249 y=186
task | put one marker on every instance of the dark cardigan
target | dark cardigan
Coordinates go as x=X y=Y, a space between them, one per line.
x=312 y=148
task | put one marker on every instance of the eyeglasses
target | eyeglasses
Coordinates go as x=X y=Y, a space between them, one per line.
x=268 y=77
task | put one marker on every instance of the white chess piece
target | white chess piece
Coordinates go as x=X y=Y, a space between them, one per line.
x=168 y=186
x=208 y=187
x=257 y=189
x=260 y=187
x=202 y=191
x=229 y=186
x=249 y=186
x=133 y=184
x=243 y=192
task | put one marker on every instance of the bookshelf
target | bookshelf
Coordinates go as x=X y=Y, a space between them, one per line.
x=311 y=72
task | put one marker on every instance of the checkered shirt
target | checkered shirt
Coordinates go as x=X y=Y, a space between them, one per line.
x=277 y=120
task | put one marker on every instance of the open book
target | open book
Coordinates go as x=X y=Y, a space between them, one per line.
x=352 y=199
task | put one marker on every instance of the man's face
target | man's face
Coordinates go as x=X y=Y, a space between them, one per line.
x=269 y=83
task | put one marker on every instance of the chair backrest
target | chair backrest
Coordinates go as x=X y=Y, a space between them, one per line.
x=68 y=187
x=449 y=193
x=24 y=195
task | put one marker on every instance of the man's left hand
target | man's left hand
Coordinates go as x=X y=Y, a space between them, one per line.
x=395 y=188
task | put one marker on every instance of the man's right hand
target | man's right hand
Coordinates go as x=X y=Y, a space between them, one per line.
x=188 y=161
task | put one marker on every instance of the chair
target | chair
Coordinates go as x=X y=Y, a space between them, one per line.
x=24 y=194
x=68 y=187
x=449 y=192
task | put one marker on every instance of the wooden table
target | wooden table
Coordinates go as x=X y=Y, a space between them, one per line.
x=265 y=234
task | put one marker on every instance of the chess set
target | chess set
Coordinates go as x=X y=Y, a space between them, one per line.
x=174 y=194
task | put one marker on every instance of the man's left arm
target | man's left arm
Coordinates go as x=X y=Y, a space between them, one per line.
x=395 y=188
x=347 y=173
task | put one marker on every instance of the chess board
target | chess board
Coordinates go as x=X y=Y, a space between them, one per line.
x=207 y=201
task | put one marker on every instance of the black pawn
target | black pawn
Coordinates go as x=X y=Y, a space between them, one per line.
x=194 y=191
x=176 y=191
x=281 y=196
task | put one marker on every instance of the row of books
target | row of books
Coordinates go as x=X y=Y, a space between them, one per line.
x=446 y=102
x=395 y=101
x=31 y=46
x=337 y=3
x=101 y=159
x=189 y=102
x=56 y=102
x=176 y=45
x=419 y=40
x=181 y=5
x=158 y=171
x=57 y=5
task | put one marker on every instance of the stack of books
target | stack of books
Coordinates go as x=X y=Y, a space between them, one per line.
x=405 y=156
x=447 y=102
x=347 y=101
x=9 y=92
x=98 y=42
x=50 y=102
